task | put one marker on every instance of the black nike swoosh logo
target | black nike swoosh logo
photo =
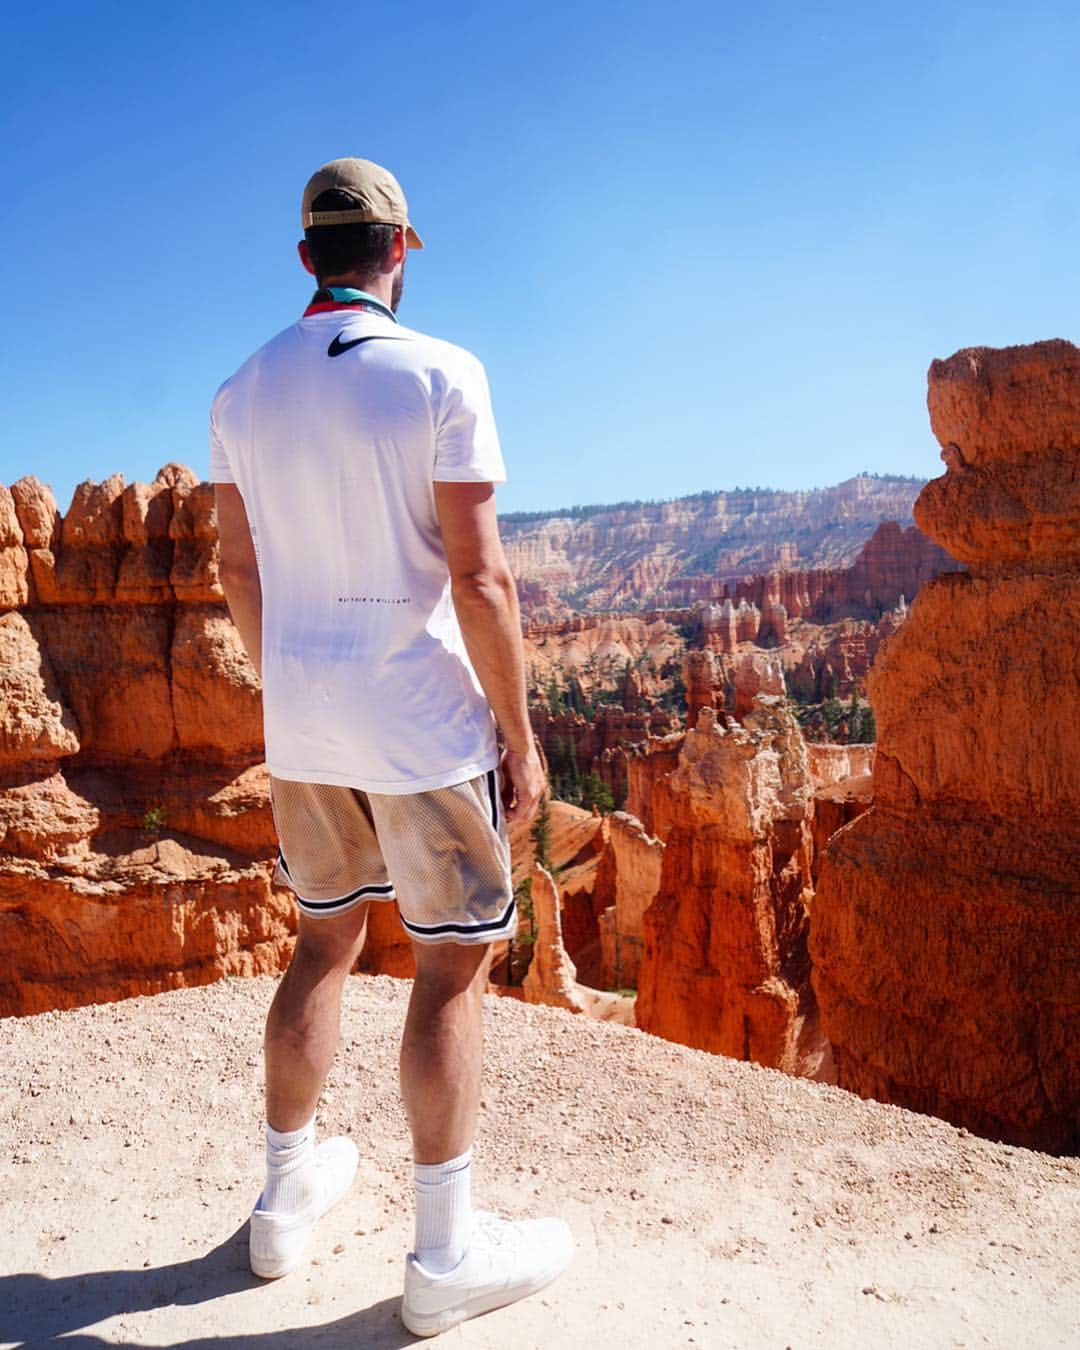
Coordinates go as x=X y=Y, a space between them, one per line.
x=337 y=346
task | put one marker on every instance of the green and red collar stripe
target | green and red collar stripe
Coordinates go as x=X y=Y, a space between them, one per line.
x=329 y=298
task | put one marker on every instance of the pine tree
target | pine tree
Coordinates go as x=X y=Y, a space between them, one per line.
x=573 y=773
x=523 y=897
x=541 y=834
x=595 y=792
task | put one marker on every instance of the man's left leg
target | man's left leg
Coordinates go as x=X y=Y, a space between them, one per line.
x=302 y=1030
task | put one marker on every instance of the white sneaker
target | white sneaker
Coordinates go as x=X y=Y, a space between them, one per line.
x=505 y=1261
x=277 y=1241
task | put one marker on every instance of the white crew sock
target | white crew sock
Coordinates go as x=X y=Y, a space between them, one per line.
x=291 y=1180
x=443 y=1212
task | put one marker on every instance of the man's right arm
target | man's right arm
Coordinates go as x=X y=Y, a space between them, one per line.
x=485 y=599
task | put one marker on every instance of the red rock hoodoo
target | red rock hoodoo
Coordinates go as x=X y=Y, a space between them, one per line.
x=627 y=880
x=724 y=965
x=944 y=936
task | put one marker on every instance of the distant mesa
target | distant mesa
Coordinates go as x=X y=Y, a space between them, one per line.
x=654 y=555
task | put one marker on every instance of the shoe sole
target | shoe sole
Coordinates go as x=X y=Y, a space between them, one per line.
x=434 y=1324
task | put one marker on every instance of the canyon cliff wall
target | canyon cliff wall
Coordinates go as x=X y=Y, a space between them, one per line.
x=136 y=839
x=945 y=938
x=893 y=563
x=640 y=554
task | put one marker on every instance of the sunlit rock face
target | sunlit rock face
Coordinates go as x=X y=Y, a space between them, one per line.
x=944 y=938
x=136 y=839
x=724 y=965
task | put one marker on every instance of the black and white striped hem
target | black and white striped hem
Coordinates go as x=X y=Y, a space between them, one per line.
x=339 y=904
x=491 y=931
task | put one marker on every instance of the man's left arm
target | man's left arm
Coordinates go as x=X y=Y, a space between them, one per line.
x=240 y=569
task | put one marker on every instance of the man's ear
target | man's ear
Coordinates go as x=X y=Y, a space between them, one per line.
x=400 y=245
x=305 y=256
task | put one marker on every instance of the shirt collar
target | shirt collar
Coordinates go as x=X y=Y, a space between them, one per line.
x=328 y=298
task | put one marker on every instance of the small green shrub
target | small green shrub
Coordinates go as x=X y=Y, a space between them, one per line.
x=153 y=821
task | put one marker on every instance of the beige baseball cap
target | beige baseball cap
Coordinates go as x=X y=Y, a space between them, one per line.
x=377 y=193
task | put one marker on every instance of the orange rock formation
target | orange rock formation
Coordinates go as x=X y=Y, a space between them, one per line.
x=552 y=977
x=944 y=935
x=724 y=966
x=627 y=880
x=134 y=810
x=135 y=826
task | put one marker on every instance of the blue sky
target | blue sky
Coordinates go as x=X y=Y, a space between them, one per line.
x=697 y=246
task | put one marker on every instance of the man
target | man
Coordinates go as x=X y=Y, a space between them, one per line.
x=355 y=461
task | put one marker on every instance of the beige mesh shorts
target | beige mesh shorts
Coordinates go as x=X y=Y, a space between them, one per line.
x=444 y=855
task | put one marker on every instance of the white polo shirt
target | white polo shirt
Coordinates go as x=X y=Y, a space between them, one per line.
x=334 y=433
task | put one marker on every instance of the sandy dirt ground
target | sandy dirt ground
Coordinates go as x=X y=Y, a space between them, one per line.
x=714 y=1203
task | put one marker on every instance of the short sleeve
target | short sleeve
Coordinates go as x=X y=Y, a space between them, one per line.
x=466 y=443
x=220 y=472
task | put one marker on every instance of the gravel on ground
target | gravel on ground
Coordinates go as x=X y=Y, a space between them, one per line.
x=714 y=1203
